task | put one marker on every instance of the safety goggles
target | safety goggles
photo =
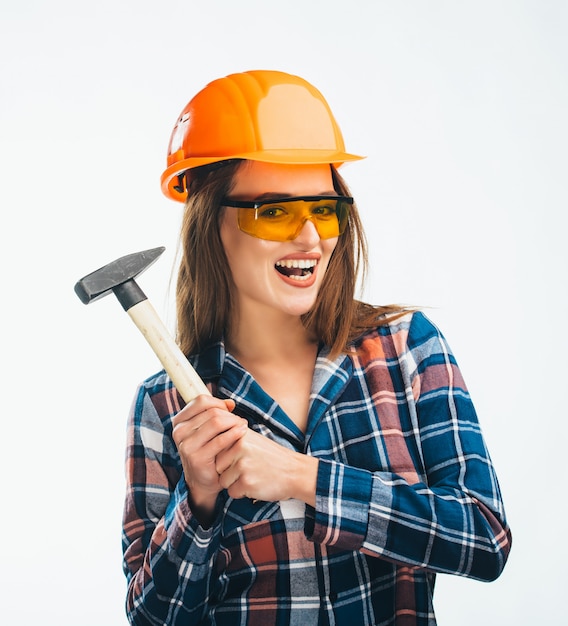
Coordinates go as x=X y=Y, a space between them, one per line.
x=282 y=219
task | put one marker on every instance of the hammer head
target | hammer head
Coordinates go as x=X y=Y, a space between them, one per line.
x=108 y=278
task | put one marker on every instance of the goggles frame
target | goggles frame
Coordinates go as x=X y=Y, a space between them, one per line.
x=287 y=227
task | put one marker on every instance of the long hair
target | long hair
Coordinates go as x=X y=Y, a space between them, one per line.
x=205 y=288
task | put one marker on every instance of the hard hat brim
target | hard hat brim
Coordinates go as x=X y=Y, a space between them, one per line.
x=284 y=157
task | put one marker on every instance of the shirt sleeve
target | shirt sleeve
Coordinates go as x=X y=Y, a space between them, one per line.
x=168 y=556
x=450 y=516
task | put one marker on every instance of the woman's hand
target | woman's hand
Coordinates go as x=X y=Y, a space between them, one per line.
x=202 y=429
x=259 y=468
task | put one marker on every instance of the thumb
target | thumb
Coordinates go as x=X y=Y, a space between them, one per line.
x=230 y=404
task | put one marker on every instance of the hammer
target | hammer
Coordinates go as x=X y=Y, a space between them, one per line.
x=119 y=277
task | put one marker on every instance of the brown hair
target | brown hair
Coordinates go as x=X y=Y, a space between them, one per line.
x=205 y=287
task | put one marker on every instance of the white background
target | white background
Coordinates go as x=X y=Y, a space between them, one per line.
x=461 y=108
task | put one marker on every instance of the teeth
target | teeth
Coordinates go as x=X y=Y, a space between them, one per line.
x=297 y=263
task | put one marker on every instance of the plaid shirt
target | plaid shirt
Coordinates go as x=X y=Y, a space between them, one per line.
x=405 y=489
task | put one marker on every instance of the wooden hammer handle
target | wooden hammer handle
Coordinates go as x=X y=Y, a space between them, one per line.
x=185 y=378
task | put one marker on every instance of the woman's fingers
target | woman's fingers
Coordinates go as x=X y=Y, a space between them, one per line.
x=194 y=410
x=254 y=465
x=210 y=439
x=204 y=411
x=201 y=430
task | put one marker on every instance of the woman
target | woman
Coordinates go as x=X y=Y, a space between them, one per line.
x=339 y=464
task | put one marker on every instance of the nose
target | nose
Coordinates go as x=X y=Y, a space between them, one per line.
x=308 y=235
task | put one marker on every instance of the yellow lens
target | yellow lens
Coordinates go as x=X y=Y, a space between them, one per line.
x=283 y=220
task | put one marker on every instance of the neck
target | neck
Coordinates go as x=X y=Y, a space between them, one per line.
x=266 y=335
x=280 y=354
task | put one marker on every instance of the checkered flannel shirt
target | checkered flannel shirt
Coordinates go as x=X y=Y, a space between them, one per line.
x=405 y=490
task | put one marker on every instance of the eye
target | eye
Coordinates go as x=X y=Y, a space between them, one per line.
x=270 y=211
x=324 y=209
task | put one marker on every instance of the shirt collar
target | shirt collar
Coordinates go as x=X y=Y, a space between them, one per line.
x=228 y=379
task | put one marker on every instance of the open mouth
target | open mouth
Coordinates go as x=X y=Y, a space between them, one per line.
x=297 y=269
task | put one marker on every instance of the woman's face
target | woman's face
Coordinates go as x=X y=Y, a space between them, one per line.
x=263 y=270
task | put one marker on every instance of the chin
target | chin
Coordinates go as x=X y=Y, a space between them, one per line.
x=300 y=308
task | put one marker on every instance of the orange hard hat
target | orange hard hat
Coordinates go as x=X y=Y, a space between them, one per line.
x=259 y=115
